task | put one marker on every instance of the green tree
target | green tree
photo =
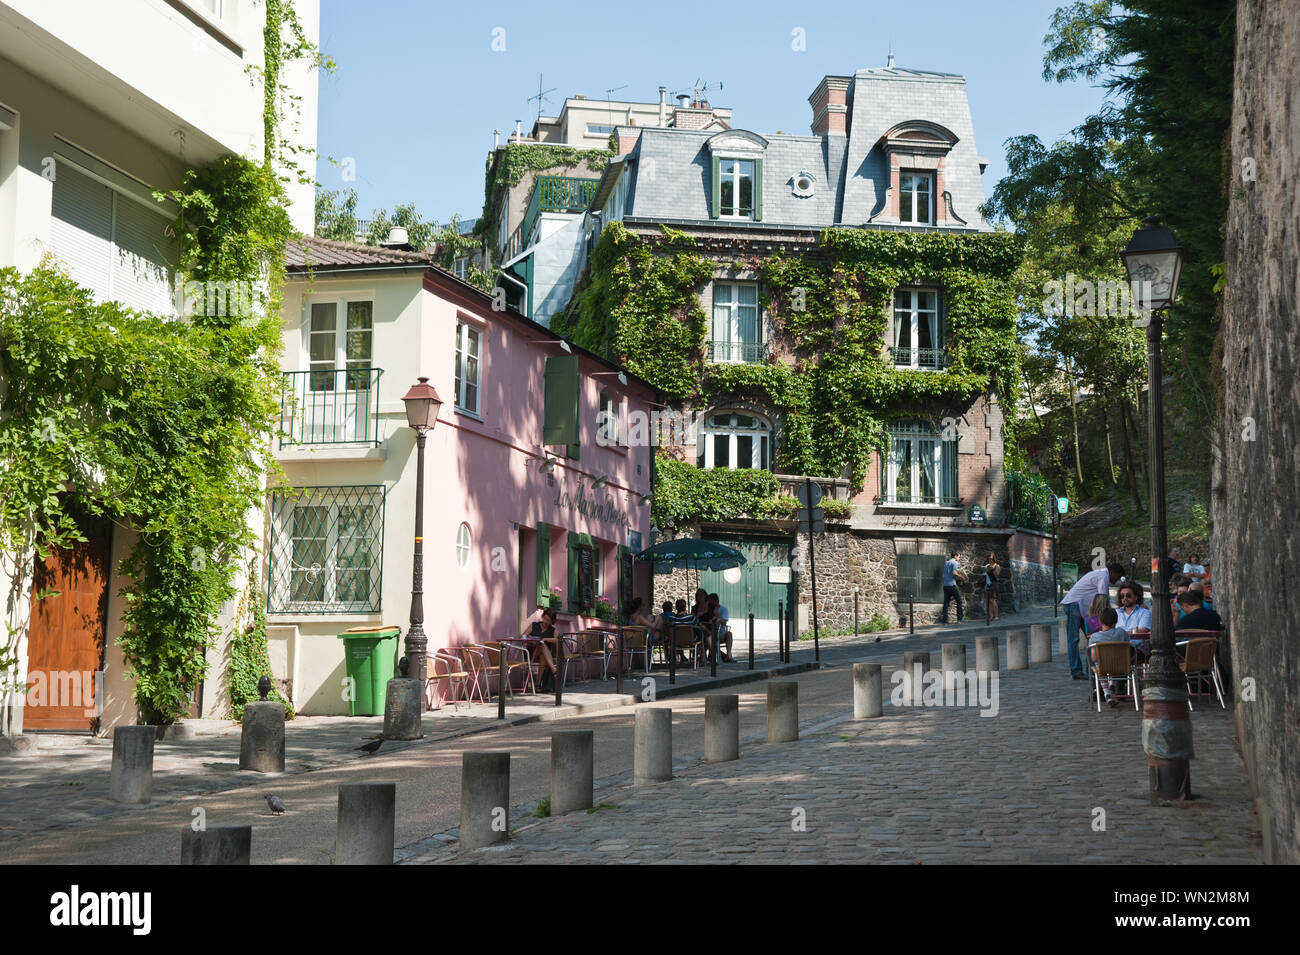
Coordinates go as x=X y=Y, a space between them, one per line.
x=336 y=215
x=420 y=232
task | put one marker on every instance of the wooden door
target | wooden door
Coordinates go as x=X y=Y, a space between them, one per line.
x=65 y=644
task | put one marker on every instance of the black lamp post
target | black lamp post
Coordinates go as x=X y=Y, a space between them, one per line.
x=422 y=404
x=1154 y=260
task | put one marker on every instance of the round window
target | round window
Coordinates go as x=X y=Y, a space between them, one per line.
x=462 y=546
x=803 y=184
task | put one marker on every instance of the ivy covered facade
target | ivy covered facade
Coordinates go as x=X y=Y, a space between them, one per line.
x=829 y=306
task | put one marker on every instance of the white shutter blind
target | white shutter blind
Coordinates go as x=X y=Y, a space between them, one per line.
x=82 y=228
x=141 y=276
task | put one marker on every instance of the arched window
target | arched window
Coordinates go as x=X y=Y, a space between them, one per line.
x=735 y=440
x=462 y=546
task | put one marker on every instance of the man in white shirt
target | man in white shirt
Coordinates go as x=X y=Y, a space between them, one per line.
x=1076 y=604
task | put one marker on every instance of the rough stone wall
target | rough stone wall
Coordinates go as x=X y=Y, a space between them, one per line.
x=1257 y=496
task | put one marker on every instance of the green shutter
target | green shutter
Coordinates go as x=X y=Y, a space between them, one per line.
x=716 y=206
x=561 y=394
x=758 y=190
x=580 y=598
x=625 y=588
x=544 y=564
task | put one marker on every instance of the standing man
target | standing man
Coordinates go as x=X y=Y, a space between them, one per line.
x=1173 y=565
x=951 y=577
x=1076 y=604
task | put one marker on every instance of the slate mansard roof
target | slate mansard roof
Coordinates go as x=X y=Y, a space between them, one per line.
x=673 y=167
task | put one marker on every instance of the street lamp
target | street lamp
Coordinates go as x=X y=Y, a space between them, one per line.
x=422 y=404
x=1154 y=261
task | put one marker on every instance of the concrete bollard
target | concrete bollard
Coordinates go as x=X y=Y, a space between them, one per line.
x=1018 y=650
x=954 y=658
x=573 y=780
x=403 y=703
x=1040 y=643
x=721 y=727
x=916 y=664
x=1063 y=640
x=652 y=746
x=131 y=778
x=367 y=813
x=867 y=691
x=782 y=711
x=261 y=742
x=217 y=845
x=484 y=799
x=986 y=654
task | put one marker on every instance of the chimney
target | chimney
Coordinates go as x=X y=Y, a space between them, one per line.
x=496 y=139
x=663 y=106
x=519 y=130
x=684 y=100
x=829 y=102
x=398 y=238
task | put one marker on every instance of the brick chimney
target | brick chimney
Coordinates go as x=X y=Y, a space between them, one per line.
x=830 y=107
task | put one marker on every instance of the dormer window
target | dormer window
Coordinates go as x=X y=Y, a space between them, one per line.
x=916 y=198
x=916 y=154
x=736 y=190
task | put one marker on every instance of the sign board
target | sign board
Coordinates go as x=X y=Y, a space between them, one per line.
x=802 y=493
x=634 y=540
x=1063 y=505
x=778 y=575
x=976 y=515
x=586 y=577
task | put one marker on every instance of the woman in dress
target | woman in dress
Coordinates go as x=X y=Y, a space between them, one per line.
x=991 y=571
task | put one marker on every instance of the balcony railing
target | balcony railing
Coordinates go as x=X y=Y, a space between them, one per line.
x=835 y=489
x=931 y=500
x=331 y=406
x=932 y=358
x=738 y=351
x=556 y=194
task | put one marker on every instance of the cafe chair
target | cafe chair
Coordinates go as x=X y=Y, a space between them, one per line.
x=636 y=640
x=517 y=659
x=1115 y=661
x=453 y=671
x=480 y=674
x=685 y=640
x=1199 y=664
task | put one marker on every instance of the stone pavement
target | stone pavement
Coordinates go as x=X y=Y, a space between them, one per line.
x=1034 y=784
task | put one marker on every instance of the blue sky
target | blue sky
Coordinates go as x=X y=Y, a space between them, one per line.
x=419 y=89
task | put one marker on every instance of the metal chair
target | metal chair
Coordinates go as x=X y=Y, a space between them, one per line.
x=455 y=670
x=475 y=657
x=1200 y=664
x=516 y=659
x=636 y=640
x=1115 y=661
x=684 y=638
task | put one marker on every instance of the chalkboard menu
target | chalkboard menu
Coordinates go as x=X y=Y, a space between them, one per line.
x=586 y=578
x=625 y=581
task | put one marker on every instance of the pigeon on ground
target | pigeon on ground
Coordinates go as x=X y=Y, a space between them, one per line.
x=276 y=804
x=371 y=747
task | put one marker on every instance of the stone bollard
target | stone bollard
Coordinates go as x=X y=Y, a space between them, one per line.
x=217 y=845
x=916 y=664
x=1063 y=641
x=721 y=727
x=1018 y=650
x=573 y=778
x=782 y=711
x=867 y=691
x=986 y=654
x=652 y=746
x=367 y=812
x=403 y=703
x=1040 y=643
x=261 y=742
x=954 y=658
x=484 y=799
x=131 y=778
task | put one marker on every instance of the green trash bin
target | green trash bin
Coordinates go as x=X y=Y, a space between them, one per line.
x=371 y=656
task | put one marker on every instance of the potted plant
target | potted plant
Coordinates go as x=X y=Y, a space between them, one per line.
x=555 y=600
x=602 y=609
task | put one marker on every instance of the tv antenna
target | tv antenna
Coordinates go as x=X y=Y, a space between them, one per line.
x=696 y=89
x=541 y=95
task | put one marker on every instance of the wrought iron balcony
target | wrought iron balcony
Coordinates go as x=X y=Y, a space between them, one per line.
x=556 y=194
x=331 y=406
x=920 y=499
x=932 y=358
x=738 y=351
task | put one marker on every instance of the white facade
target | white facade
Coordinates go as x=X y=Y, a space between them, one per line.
x=100 y=104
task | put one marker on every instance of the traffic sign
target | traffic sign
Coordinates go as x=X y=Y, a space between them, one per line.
x=804 y=491
x=1063 y=505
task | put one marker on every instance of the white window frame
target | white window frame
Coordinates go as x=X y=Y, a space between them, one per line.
x=760 y=447
x=461 y=383
x=464 y=545
x=599 y=129
x=736 y=178
x=598 y=571
x=460 y=267
x=341 y=333
x=916 y=175
x=914 y=313
x=609 y=419
x=916 y=440
x=735 y=344
x=284 y=525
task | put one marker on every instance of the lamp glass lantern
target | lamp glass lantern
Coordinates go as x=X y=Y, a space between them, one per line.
x=1154 y=261
x=422 y=405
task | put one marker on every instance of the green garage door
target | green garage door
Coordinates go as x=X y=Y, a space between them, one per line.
x=753 y=593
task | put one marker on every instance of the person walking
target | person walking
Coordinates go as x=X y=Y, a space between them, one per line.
x=991 y=571
x=1077 y=603
x=951 y=577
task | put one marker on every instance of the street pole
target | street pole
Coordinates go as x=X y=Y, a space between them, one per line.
x=812 y=570
x=417 y=645
x=1056 y=570
x=1167 y=728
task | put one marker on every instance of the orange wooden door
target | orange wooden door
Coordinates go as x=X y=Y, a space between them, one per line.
x=65 y=643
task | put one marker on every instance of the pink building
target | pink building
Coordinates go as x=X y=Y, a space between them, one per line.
x=532 y=495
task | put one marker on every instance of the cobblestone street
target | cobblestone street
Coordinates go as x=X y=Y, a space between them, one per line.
x=920 y=785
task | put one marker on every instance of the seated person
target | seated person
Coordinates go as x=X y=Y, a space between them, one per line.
x=1199 y=587
x=1196 y=616
x=722 y=617
x=1134 y=617
x=679 y=615
x=544 y=630
x=1180 y=585
x=1109 y=633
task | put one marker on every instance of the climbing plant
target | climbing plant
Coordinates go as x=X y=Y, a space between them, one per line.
x=830 y=381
